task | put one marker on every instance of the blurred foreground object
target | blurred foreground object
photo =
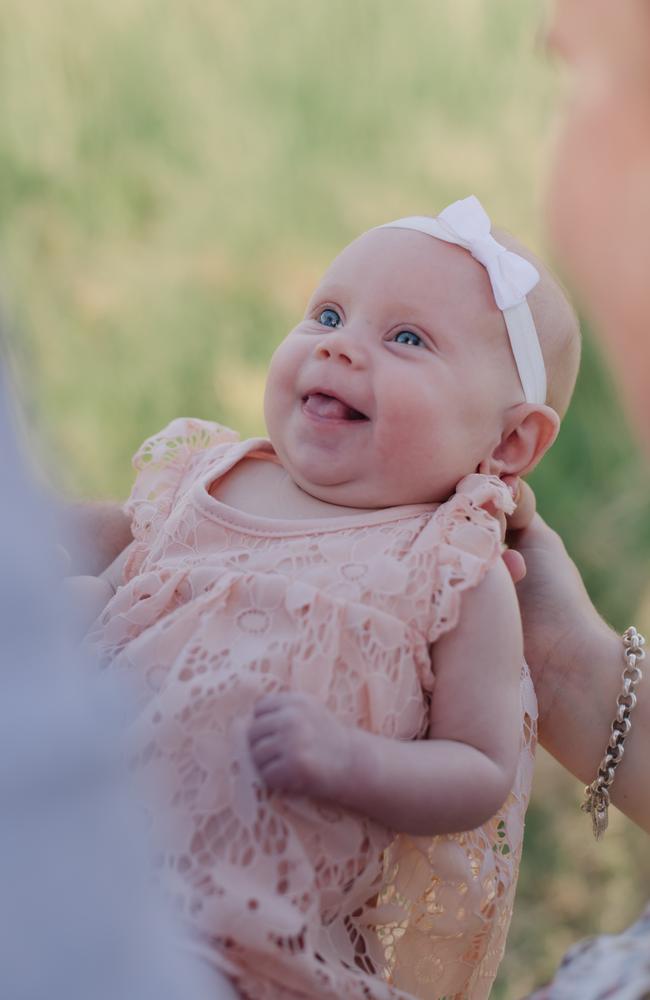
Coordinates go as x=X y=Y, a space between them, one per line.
x=78 y=919
x=599 y=210
x=615 y=966
x=599 y=197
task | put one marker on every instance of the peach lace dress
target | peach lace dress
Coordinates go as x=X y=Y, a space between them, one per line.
x=292 y=897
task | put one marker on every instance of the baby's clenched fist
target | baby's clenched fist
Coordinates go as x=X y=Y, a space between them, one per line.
x=299 y=746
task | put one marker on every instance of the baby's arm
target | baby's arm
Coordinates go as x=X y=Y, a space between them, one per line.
x=95 y=538
x=87 y=595
x=93 y=535
x=453 y=781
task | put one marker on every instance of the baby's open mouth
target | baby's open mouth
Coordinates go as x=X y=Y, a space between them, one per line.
x=318 y=404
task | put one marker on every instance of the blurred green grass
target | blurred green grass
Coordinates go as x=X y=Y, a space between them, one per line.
x=173 y=178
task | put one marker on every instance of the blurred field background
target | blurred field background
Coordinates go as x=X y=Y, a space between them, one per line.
x=175 y=176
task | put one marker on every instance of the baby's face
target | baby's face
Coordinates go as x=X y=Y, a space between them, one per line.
x=395 y=384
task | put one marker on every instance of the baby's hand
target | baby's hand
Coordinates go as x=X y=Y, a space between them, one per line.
x=299 y=746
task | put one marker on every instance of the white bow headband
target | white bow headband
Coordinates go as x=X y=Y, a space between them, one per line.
x=467 y=224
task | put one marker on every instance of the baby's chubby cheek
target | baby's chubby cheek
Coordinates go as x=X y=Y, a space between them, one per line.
x=427 y=446
x=410 y=463
x=278 y=393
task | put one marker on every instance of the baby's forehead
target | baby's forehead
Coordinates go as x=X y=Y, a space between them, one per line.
x=418 y=271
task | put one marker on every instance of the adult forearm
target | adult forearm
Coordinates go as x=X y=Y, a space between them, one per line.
x=424 y=787
x=576 y=725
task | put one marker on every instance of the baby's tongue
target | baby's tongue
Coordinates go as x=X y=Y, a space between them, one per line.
x=327 y=407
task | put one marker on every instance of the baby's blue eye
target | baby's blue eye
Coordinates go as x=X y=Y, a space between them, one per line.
x=329 y=317
x=408 y=337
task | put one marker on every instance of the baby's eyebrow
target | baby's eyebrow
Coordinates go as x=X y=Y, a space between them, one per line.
x=406 y=312
x=327 y=291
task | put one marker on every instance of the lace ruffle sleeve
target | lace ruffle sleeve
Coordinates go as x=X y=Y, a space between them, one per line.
x=163 y=464
x=469 y=537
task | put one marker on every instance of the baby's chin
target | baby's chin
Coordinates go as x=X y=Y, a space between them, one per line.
x=339 y=494
x=357 y=495
x=350 y=486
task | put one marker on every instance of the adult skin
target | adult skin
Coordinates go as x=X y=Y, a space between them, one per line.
x=599 y=212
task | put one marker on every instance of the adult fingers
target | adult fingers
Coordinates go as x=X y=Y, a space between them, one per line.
x=525 y=509
x=515 y=564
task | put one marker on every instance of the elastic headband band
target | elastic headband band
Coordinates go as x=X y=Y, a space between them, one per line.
x=467 y=224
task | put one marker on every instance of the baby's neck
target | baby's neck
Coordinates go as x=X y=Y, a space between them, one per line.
x=260 y=486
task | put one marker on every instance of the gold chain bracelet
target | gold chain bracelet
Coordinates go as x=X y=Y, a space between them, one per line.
x=597 y=793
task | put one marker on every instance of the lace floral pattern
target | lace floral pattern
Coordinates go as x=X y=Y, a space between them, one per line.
x=289 y=896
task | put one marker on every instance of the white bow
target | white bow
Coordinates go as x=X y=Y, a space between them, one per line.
x=467 y=224
x=511 y=275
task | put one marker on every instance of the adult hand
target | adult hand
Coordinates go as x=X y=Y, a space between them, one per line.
x=558 y=617
x=520 y=518
x=575 y=659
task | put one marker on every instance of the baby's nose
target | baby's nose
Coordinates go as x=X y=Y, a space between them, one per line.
x=334 y=348
x=325 y=352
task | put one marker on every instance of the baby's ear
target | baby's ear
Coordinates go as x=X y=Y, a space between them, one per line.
x=529 y=432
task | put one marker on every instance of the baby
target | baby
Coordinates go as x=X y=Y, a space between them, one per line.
x=331 y=699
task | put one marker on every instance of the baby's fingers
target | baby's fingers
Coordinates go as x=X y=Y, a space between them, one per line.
x=271 y=766
x=271 y=703
x=278 y=774
x=263 y=726
x=266 y=749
